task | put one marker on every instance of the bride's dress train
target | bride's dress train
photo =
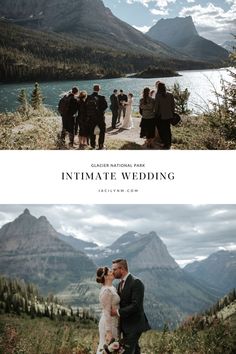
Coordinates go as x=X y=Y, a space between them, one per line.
x=108 y=298
x=127 y=122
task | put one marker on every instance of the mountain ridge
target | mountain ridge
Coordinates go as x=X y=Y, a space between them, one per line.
x=180 y=33
x=221 y=262
x=77 y=19
x=31 y=249
x=171 y=293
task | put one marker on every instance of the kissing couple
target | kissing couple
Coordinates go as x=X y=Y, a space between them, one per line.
x=122 y=309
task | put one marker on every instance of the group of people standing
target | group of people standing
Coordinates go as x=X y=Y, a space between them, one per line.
x=84 y=115
x=156 y=115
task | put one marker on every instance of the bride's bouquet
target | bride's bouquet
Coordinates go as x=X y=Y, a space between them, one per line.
x=115 y=346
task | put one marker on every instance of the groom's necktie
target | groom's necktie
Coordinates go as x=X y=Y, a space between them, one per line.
x=122 y=283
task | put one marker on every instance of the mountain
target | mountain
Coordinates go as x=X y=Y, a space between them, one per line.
x=229 y=45
x=76 y=19
x=78 y=244
x=218 y=270
x=180 y=33
x=30 y=249
x=61 y=40
x=170 y=293
x=143 y=251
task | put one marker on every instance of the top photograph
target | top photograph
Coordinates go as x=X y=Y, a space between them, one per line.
x=117 y=75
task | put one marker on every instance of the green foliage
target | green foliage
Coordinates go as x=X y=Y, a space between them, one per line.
x=36 y=97
x=33 y=334
x=38 y=129
x=42 y=335
x=17 y=297
x=223 y=117
x=29 y=55
x=24 y=107
x=154 y=72
x=29 y=128
x=181 y=99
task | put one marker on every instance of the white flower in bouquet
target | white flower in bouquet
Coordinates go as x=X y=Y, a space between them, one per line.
x=114 y=346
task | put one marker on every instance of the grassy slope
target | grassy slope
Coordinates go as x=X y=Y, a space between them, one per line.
x=40 y=132
x=41 y=336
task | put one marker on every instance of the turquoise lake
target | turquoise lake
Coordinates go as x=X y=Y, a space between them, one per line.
x=200 y=83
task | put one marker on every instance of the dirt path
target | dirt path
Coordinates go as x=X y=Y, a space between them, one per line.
x=123 y=135
x=132 y=135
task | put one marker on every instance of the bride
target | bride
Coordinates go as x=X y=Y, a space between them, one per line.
x=127 y=122
x=108 y=297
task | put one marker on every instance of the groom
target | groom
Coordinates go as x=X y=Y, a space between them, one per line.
x=133 y=320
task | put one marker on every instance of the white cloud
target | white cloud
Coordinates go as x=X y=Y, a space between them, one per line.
x=188 y=231
x=159 y=12
x=158 y=3
x=183 y=262
x=143 y=29
x=212 y=21
x=229 y=247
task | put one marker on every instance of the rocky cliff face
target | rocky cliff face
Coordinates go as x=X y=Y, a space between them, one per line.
x=144 y=251
x=27 y=234
x=174 y=31
x=180 y=33
x=31 y=250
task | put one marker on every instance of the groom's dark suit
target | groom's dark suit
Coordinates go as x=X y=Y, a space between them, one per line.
x=133 y=320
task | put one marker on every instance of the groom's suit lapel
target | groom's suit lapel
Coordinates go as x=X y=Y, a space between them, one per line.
x=126 y=286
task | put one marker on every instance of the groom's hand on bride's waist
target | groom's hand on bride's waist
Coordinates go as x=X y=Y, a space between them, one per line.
x=114 y=312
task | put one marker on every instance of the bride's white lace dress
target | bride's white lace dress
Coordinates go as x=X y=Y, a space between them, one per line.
x=127 y=122
x=108 y=298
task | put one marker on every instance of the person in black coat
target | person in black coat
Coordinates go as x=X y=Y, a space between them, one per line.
x=69 y=115
x=114 y=108
x=96 y=106
x=133 y=320
x=122 y=98
x=82 y=120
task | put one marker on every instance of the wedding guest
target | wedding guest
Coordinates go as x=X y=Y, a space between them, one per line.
x=114 y=108
x=164 y=109
x=96 y=106
x=67 y=107
x=148 y=122
x=122 y=98
x=82 y=120
x=71 y=114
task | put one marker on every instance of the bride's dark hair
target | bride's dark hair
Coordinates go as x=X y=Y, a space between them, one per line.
x=101 y=272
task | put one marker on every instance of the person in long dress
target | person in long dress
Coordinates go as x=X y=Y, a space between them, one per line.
x=127 y=122
x=164 y=108
x=108 y=298
x=148 y=122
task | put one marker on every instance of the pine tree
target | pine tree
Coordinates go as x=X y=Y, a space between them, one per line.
x=36 y=97
x=181 y=99
x=23 y=100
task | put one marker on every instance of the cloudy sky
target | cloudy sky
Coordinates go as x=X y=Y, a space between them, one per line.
x=190 y=232
x=214 y=19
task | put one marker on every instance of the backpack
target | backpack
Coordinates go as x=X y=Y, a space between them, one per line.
x=92 y=106
x=63 y=105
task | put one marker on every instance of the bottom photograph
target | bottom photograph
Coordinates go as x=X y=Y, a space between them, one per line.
x=132 y=279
